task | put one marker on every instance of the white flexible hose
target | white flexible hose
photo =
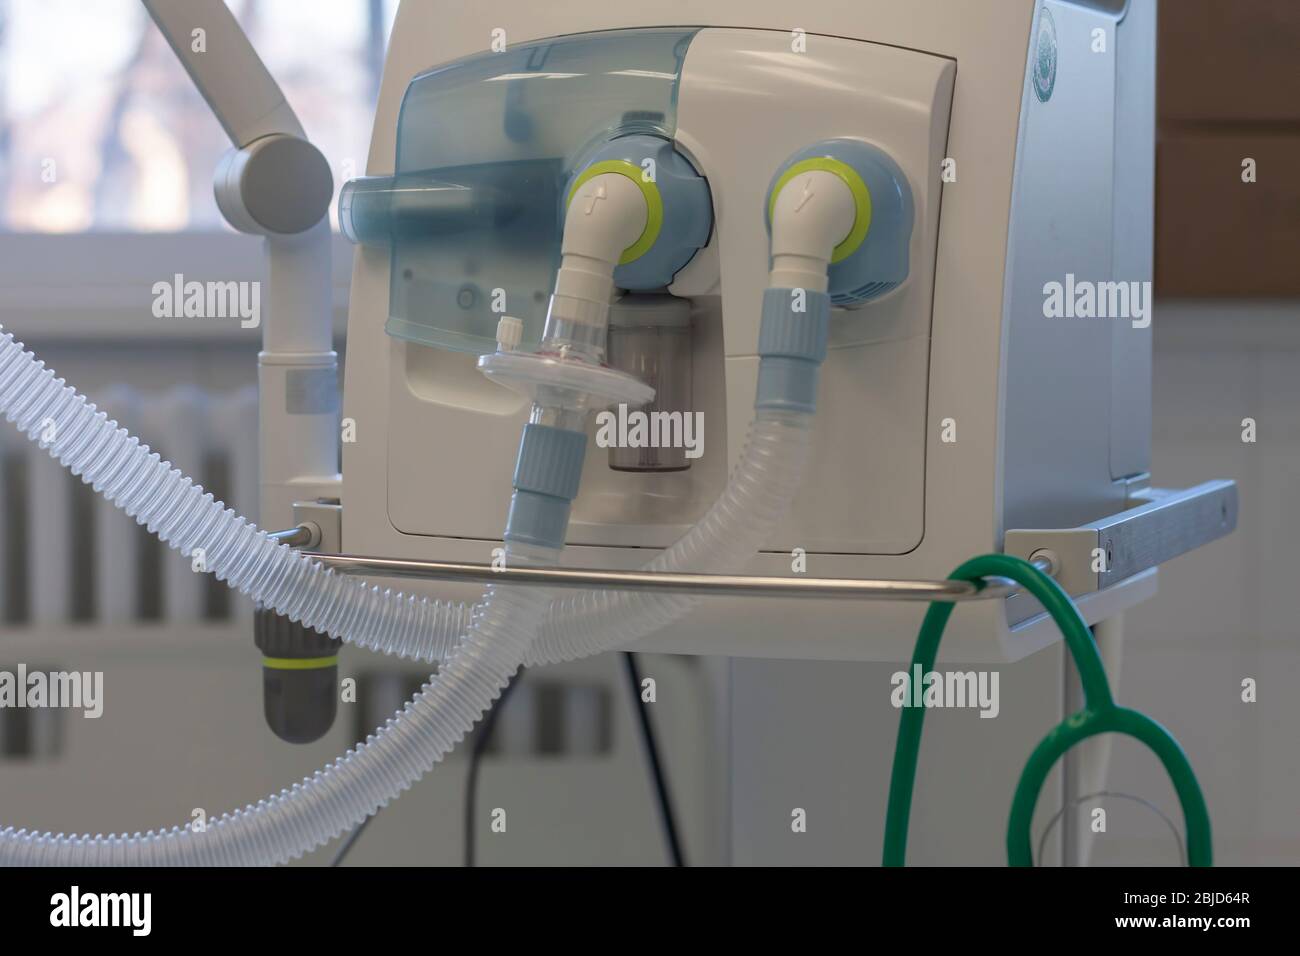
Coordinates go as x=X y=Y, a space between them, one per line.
x=333 y=800
x=478 y=660
x=380 y=619
x=302 y=817
x=182 y=514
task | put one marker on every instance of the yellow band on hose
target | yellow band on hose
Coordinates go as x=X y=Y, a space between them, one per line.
x=299 y=663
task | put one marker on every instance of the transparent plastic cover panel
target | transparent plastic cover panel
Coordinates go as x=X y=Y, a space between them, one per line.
x=485 y=147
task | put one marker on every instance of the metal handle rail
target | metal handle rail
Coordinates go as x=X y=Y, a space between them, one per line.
x=715 y=584
x=1158 y=525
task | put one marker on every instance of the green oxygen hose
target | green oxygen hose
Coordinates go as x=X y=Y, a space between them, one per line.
x=1100 y=715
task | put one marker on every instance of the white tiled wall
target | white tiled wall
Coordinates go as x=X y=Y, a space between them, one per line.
x=1227 y=612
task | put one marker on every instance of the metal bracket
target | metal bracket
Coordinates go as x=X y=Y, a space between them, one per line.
x=320 y=525
x=1162 y=525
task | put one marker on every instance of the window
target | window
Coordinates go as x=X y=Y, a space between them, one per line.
x=102 y=130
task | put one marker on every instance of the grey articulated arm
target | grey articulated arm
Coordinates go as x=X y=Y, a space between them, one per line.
x=276 y=184
x=208 y=41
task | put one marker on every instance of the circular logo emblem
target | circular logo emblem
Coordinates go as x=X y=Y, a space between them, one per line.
x=1045 y=57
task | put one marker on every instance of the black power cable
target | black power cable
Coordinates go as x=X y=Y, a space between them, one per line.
x=471 y=782
x=666 y=814
x=475 y=760
x=351 y=840
x=654 y=764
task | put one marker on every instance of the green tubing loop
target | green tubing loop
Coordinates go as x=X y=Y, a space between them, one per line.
x=1100 y=715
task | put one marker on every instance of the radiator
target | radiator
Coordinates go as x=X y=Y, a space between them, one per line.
x=70 y=556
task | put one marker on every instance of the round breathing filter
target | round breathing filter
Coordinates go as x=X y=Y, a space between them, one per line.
x=873 y=258
x=678 y=201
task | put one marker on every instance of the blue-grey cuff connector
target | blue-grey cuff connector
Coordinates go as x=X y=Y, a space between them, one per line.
x=791 y=348
x=547 y=474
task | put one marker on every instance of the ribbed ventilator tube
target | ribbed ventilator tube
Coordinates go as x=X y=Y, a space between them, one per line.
x=480 y=646
x=478 y=662
x=187 y=518
x=333 y=800
x=183 y=515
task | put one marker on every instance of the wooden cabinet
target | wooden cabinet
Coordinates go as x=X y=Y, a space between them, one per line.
x=1228 y=90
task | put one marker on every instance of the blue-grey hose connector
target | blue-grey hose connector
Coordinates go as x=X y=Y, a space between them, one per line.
x=792 y=346
x=547 y=474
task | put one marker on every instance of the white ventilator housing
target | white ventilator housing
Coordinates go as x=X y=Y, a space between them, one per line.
x=951 y=409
